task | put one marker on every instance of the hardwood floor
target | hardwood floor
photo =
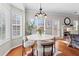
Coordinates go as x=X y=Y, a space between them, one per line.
x=66 y=50
x=17 y=51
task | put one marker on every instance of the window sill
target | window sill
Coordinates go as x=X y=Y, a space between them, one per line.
x=3 y=41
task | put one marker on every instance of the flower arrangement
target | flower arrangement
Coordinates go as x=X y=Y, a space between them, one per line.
x=40 y=30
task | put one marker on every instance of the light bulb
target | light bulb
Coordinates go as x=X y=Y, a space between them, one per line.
x=45 y=16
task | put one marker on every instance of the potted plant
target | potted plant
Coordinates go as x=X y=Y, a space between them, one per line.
x=31 y=27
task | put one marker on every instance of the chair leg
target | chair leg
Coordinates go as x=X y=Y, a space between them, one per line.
x=32 y=51
x=43 y=50
x=52 y=51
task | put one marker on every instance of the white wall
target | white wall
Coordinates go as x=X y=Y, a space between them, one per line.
x=9 y=43
x=18 y=5
x=5 y=10
x=51 y=16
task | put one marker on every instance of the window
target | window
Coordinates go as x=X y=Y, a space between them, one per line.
x=2 y=26
x=56 y=28
x=51 y=27
x=75 y=23
x=38 y=23
x=48 y=26
x=16 y=23
x=16 y=26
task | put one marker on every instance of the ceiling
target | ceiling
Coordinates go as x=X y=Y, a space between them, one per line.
x=65 y=8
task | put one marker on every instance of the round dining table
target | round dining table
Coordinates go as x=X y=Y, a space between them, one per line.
x=38 y=37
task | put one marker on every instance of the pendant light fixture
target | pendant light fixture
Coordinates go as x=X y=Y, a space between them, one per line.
x=41 y=14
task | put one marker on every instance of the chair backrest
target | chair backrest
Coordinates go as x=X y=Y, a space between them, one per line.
x=47 y=43
x=28 y=43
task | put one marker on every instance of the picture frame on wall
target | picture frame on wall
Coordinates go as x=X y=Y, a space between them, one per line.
x=67 y=21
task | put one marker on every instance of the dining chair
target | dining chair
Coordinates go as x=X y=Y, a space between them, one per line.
x=47 y=45
x=28 y=47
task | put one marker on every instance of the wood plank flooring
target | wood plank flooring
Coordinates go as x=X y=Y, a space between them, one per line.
x=15 y=52
x=18 y=51
x=66 y=51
